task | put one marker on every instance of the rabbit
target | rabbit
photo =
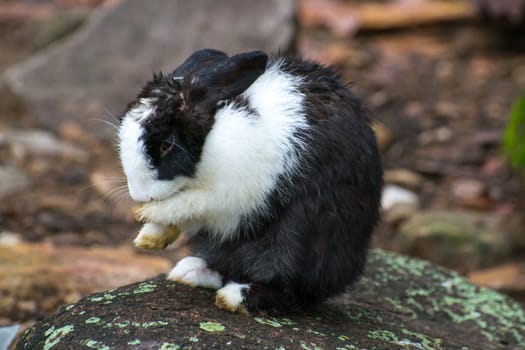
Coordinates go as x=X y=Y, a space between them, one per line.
x=271 y=168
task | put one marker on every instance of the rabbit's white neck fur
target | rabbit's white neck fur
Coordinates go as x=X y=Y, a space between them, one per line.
x=243 y=156
x=242 y=159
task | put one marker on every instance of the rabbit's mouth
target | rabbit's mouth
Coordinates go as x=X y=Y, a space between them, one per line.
x=158 y=192
x=159 y=199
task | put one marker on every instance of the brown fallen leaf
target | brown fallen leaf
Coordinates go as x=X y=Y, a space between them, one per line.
x=508 y=277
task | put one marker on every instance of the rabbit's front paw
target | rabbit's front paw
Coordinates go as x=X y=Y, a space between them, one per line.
x=154 y=236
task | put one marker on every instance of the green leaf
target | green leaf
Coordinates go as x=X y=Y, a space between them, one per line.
x=514 y=136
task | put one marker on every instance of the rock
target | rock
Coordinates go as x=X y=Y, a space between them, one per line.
x=7 y=334
x=33 y=25
x=73 y=132
x=442 y=134
x=393 y=195
x=37 y=278
x=447 y=109
x=494 y=165
x=414 y=109
x=398 y=213
x=467 y=188
x=458 y=239
x=40 y=143
x=104 y=65
x=508 y=278
x=400 y=303
x=471 y=193
x=513 y=222
x=404 y=178
x=12 y=180
x=8 y=239
x=378 y=99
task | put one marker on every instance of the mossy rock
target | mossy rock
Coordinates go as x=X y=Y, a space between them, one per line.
x=400 y=303
x=457 y=239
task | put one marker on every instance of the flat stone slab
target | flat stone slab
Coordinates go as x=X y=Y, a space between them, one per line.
x=400 y=303
x=39 y=277
x=104 y=65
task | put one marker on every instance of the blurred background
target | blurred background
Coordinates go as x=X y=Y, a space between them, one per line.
x=443 y=81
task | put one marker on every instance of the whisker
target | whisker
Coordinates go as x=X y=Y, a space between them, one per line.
x=117 y=191
x=113 y=179
x=102 y=182
x=117 y=195
x=108 y=112
x=85 y=188
x=184 y=150
x=113 y=126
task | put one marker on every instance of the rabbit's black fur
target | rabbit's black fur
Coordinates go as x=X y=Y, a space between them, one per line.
x=308 y=240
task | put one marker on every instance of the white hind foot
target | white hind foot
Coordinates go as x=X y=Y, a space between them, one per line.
x=230 y=297
x=193 y=272
x=154 y=236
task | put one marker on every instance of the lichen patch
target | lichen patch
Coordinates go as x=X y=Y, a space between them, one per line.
x=145 y=287
x=212 y=327
x=54 y=336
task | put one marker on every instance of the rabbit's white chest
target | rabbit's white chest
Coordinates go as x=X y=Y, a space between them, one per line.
x=245 y=156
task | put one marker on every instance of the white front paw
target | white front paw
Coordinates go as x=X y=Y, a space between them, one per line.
x=193 y=271
x=230 y=297
x=156 y=211
x=155 y=236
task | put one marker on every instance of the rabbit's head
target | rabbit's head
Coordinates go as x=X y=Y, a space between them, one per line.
x=162 y=134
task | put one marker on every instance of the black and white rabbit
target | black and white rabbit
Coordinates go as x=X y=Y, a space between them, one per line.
x=269 y=165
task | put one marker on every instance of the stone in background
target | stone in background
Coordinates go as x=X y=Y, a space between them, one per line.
x=103 y=66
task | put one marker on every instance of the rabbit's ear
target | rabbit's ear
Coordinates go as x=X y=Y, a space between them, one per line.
x=198 y=60
x=233 y=76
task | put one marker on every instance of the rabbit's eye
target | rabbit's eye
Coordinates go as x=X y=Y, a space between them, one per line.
x=166 y=146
